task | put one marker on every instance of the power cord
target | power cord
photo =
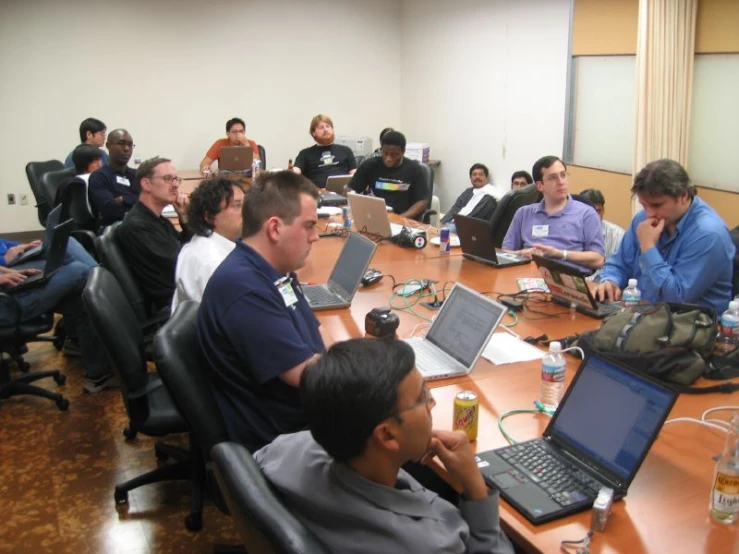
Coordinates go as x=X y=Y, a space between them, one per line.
x=538 y=409
x=583 y=545
x=719 y=424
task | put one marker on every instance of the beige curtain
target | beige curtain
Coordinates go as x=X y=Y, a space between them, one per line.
x=664 y=72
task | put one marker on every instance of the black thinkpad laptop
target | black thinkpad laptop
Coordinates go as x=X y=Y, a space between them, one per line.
x=476 y=240
x=598 y=437
x=37 y=251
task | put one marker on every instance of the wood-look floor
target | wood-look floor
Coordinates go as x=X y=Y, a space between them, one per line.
x=58 y=470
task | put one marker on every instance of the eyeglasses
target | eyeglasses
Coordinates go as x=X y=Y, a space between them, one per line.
x=554 y=177
x=128 y=143
x=169 y=178
x=425 y=399
x=239 y=132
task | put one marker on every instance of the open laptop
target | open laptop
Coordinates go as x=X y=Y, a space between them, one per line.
x=235 y=158
x=342 y=285
x=476 y=240
x=567 y=284
x=52 y=220
x=336 y=183
x=598 y=437
x=458 y=335
x=330 y=198
x=54 y=259
x=370 y=216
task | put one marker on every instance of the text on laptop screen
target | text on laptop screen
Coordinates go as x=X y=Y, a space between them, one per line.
x=463 y=325
x=612 y=415
x=351 y=264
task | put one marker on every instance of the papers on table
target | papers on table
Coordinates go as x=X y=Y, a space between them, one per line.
x=329 y=210
x=504 y=348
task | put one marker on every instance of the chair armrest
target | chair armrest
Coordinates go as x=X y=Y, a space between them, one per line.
x=146 y=389
x=426 y=216
x=8 y=304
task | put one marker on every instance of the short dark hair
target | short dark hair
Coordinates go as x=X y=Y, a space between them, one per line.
x=233 y=121
x=83 y=155
x=594 y=196
x=206 y=202
x=92 y=125
x=393 y=138
x=384 y=132
x=663 y=177
x=545 y=163
x=350 y=390
x=480 y=166
x=274 y=193
x=525 y=174
x=146 y=169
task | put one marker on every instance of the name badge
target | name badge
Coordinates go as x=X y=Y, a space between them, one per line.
x=540 y=230
x=288 y=294
x=122 y=181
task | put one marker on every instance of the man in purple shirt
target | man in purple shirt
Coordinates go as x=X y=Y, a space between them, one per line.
x=558 y=226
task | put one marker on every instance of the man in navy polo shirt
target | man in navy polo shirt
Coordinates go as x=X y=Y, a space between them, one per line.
x=255 y=327
x=558 y=226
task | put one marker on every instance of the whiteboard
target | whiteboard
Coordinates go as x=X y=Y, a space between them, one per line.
x=604 y=112
x=713 y=150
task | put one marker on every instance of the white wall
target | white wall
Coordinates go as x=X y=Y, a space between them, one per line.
x=173 y=71
x=484 y=81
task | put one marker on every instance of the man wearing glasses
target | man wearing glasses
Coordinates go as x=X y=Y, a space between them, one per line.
x=235 y=136
x=113 y=189
x=149 y=241
x=369 y=413
x=558 y=226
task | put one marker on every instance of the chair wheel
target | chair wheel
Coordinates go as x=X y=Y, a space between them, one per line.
x=62 y=404
x=60 y=379
x=194 y=522
x=129 y=434
x=120 y=496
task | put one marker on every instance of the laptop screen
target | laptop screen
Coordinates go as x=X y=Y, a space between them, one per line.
x=612 y=415
x=464 y=325
x=352 y=263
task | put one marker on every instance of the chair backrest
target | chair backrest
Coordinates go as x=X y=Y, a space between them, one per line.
x=262 y=156
x=428 y=177
x=358 y=160
x=181 y=366
x=34 y=171
x=112 y=258
x=75 y=206
x=264 y=523
x=507 y=207
x=120 y=332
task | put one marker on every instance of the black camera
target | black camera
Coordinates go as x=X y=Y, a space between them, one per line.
x=381 y=323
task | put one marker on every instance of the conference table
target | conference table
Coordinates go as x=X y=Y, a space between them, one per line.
x=666 y=509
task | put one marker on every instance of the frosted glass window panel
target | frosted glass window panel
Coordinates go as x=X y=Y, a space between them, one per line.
x=713 y=154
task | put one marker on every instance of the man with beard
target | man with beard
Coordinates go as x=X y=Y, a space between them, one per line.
x=113 y=189
x=148 y=240
x=324 y=159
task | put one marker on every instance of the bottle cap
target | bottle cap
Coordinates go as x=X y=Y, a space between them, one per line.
x=632 y=283
x=555 y=346
x=734 y=305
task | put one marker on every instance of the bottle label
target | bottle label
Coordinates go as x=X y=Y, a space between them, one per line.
x=631 y=299
x=726 y=493
x=728 y=326
x=552 y=373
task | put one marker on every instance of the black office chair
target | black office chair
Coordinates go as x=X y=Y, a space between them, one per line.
x=735 y=282
x=13 y=340
x=506 y=209
x=262 y=156
x=264 y=523
x=73 y=198
x=428 y=175
x=359 y=159
x=149 y=406
x=34 y=171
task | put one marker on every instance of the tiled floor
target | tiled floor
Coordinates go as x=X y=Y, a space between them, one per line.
x=58 y=470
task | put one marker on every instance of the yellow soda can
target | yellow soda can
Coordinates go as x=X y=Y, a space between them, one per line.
x=466 y=411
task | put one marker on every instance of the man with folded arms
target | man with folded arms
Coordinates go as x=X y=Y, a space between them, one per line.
x=369 y=413
x=557 y=227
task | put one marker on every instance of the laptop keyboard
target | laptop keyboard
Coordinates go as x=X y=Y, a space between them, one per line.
x=431 y=360
x=565 y=484
x=319 y=296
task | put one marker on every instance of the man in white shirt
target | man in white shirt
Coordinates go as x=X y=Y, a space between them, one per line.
x=612 y=233
x=480 y=200
x=214 y=216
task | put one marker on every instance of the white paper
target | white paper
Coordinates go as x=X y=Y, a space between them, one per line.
x=504 y=348
x=329 y=210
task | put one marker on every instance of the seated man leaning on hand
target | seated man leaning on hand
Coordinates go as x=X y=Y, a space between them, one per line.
x=255 y=328
x=678 y=248
x=558 y=226
x=369 y=412
x=214 y=217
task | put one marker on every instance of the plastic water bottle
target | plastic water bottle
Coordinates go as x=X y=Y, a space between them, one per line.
x=728 y=329
x=552 y=377
x=724 y=496
x=631 y=295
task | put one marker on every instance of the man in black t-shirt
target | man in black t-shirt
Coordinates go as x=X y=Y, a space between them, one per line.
x=324 y=159
x=399 y=180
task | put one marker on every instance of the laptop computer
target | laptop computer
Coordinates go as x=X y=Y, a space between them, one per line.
x=336 y=183
x=598 y=437
x=476 y=240
x=370 y=216
x=54 y=259
x=52 y=220
x=567 y=284
x=235 y=158
x=458 y=335
x=329 y=198
x=342 y=285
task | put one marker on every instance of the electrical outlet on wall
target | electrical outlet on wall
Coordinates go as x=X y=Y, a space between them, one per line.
x=11 y=199
x=24 y=199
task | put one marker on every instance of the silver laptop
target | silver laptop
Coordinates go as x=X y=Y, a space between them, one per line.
x=345 y=278
x=337 y=183
x=235 y=158
x=370 y=216
x=52 y=220
x=458 y=335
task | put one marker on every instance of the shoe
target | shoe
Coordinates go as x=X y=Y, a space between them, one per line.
x=105 y=381
x=71 y=348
